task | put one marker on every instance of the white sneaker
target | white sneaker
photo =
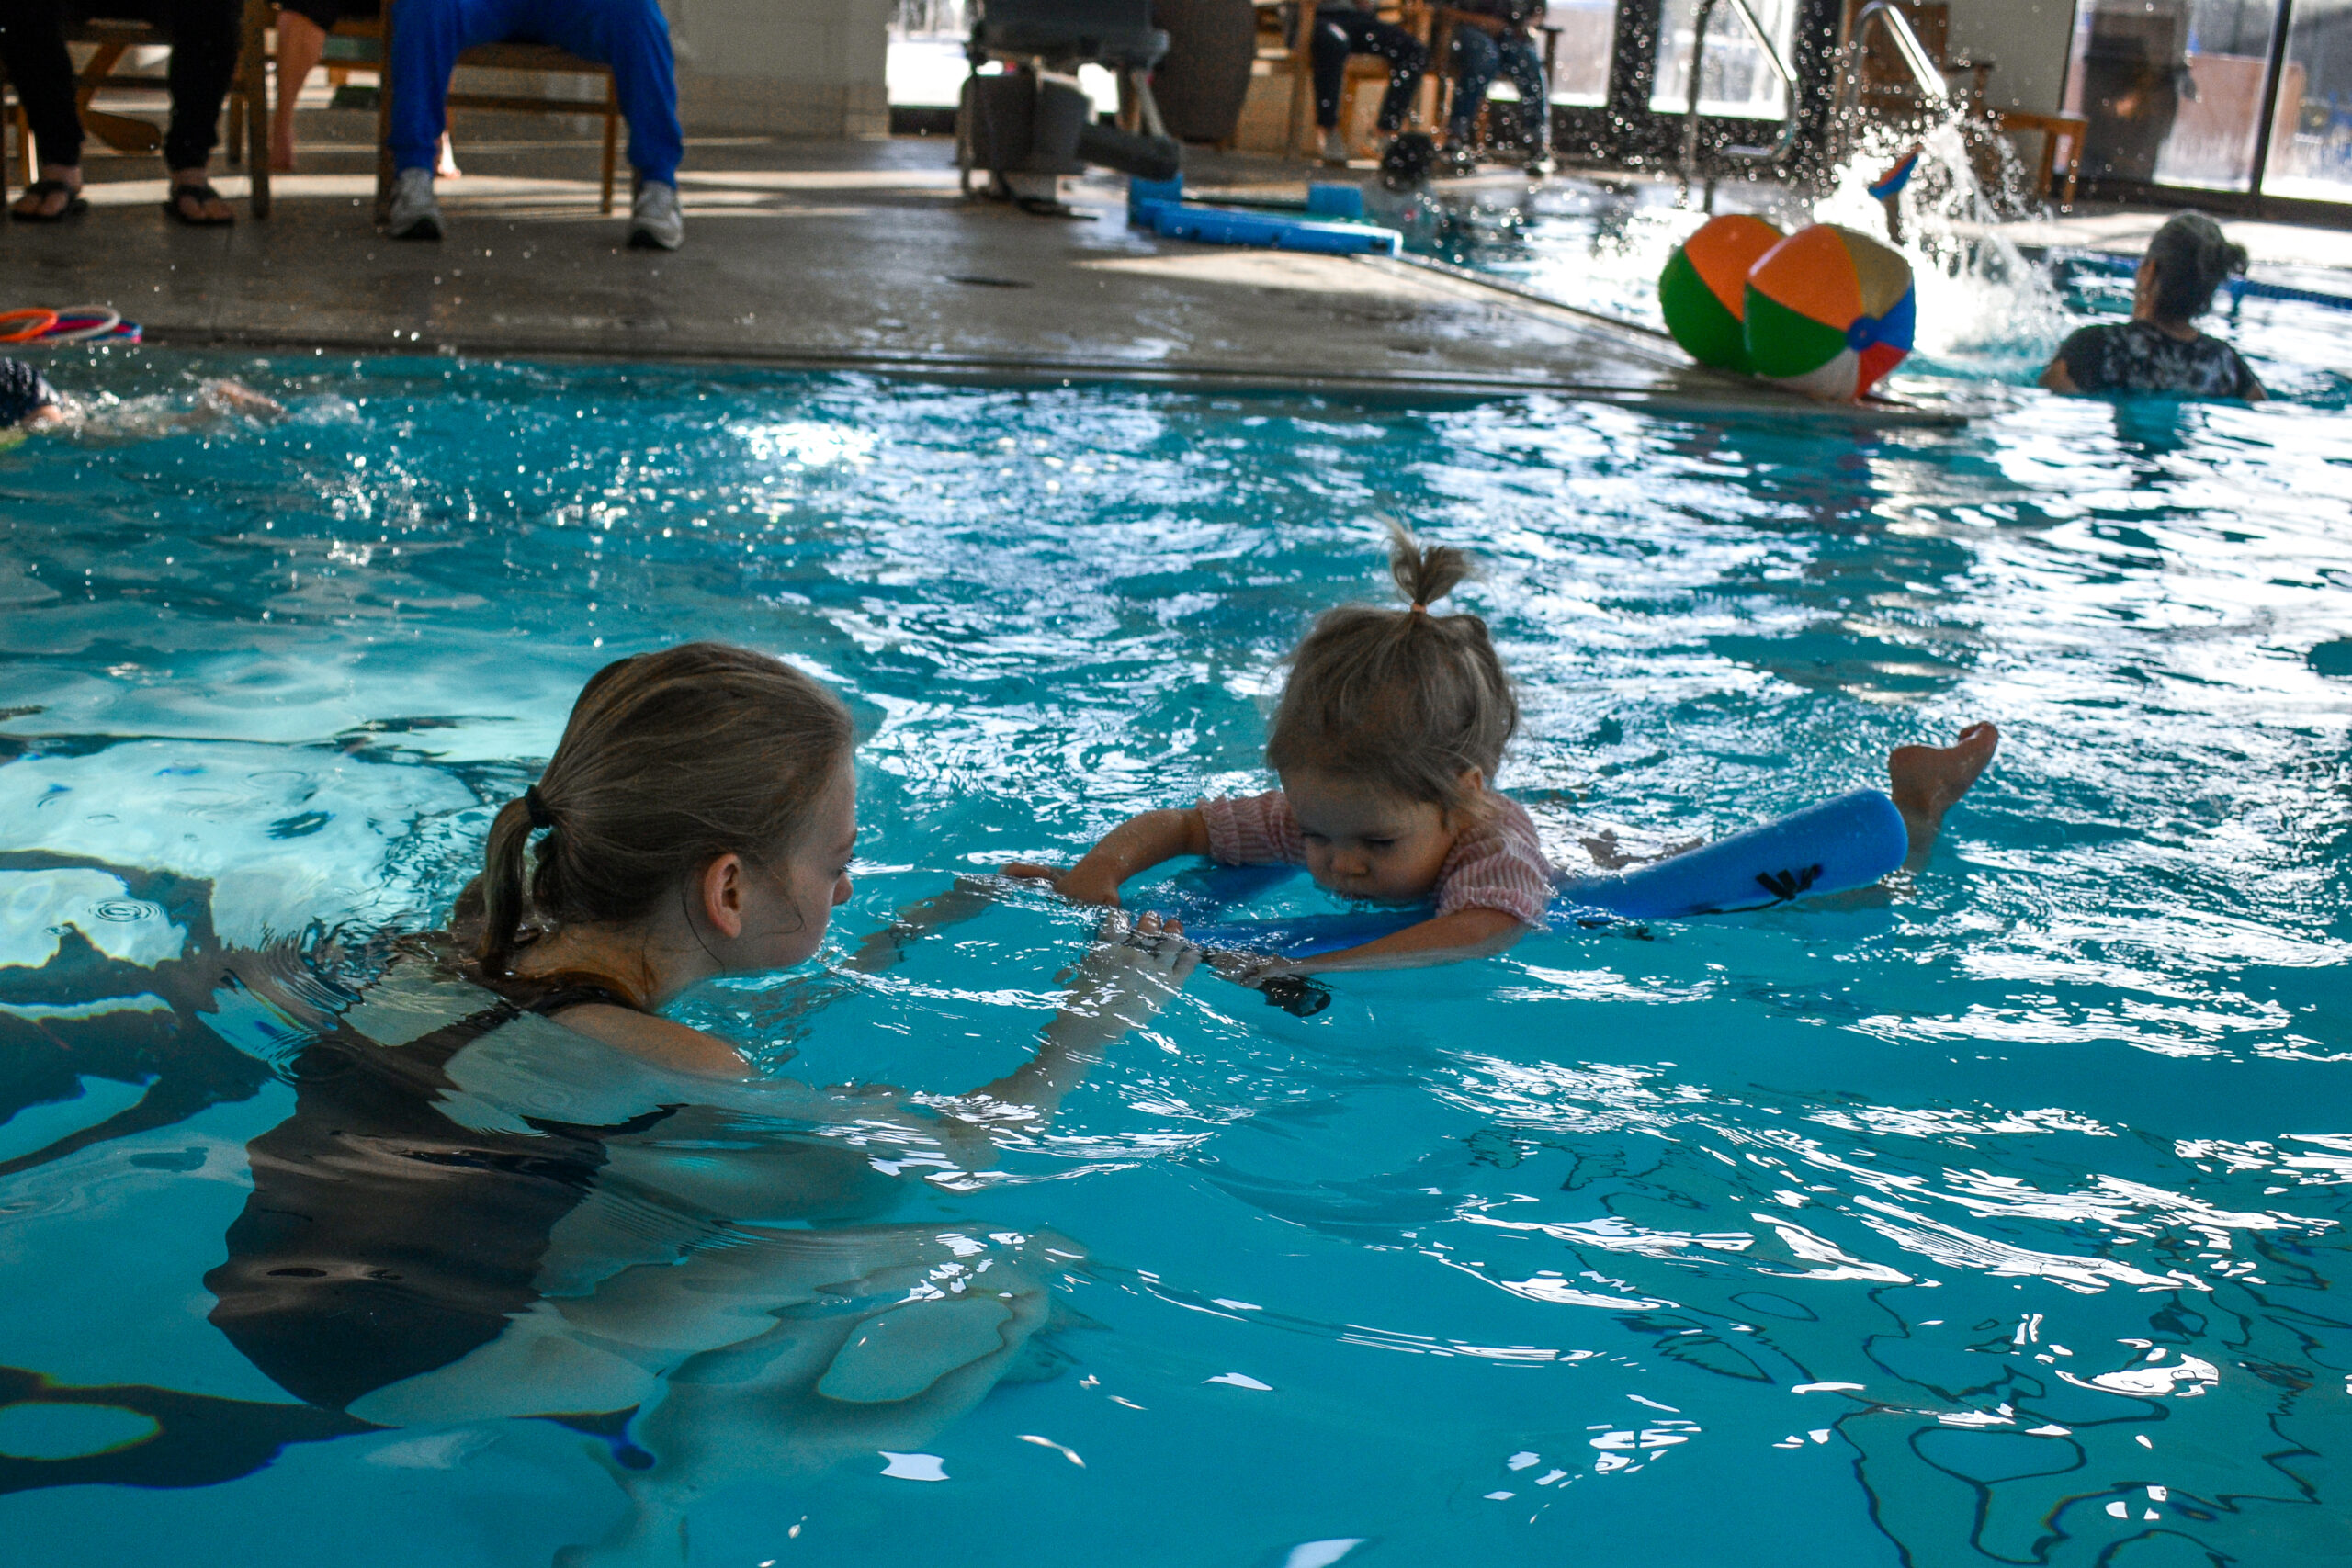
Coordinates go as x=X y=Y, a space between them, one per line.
x=654 y=222
x=414 y=214
x=1334 y=146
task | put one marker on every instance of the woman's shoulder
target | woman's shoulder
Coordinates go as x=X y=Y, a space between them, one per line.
x=2085 y=349
x=591 y=1006
x=662 y=1042
x=2230 y=375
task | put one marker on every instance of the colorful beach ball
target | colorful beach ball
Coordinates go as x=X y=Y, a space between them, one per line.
x=1704 y=290
x=1828 y=312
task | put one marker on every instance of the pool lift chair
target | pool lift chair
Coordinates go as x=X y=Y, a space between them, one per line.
x=1027 y=124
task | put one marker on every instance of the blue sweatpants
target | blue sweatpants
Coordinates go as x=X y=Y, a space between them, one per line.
x=630 y=36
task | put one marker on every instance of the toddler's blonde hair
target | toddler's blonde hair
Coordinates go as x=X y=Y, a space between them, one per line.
x=1406 y=700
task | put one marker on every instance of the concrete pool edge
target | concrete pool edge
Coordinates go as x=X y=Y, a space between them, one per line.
x=1705 y=402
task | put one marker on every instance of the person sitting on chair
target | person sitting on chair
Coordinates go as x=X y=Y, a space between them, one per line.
x=302 y=30
x=205 y=36
x=1343 y=28
x=1494 y=38
x=2159 y=349
x=630 y=36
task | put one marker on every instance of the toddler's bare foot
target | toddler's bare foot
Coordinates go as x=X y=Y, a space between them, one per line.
x=1927 y=780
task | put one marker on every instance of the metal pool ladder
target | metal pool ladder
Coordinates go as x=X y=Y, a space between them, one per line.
x=1884 y=14
x=1781 y=145
x=1845 y=108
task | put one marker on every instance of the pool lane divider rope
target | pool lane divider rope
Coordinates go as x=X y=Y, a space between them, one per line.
x=2239 y=287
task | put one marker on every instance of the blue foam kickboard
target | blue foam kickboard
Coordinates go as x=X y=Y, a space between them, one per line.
x=1332 y=199
x=1844 y=844
x=1226 y=226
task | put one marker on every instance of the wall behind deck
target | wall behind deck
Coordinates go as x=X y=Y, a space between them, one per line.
x=782 y=67
x=2026 y=40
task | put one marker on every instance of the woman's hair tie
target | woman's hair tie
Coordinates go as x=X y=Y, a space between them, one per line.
x=542 y=816
x=1420 y=609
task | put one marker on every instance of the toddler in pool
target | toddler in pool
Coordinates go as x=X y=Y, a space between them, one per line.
x=1387 y=741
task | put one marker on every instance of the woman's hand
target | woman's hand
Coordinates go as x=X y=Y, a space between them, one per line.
x=1131 y=972
x=1120 y=985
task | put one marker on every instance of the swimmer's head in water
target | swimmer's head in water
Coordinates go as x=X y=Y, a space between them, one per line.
x=1408 y=704
x=23 y=393
x=670 y=760
x=2189 y=258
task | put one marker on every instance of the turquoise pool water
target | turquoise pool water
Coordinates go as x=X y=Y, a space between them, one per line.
x=1998 y=1219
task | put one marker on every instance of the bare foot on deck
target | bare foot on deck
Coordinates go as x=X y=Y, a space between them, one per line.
x=1927 y=780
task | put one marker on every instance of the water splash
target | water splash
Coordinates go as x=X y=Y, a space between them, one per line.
x=1984 y=310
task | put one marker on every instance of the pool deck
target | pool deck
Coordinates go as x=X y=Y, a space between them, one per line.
x=836 y=256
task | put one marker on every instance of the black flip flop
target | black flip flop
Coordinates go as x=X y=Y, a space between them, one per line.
x=202 y=192
x=78 y=205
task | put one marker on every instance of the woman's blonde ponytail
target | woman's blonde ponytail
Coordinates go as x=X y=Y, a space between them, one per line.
x=501 y=887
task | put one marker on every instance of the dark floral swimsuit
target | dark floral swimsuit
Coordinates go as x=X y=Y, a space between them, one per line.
x=23 y=393
x=2137 y=357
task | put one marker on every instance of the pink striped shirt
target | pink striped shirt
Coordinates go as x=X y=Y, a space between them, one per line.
x=1499 y=864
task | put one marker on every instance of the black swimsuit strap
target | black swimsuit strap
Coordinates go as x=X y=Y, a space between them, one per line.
x=578 y=994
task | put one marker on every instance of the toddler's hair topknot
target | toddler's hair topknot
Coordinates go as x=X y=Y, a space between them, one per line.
x=1405 y=700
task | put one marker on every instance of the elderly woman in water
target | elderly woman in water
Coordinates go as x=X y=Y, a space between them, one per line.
x=2159 y=349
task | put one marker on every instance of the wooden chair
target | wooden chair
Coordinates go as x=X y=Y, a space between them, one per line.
x=1295 y=57
x=111 y=41
x=2055 y=129
x=375 y=33
x=1444 y=85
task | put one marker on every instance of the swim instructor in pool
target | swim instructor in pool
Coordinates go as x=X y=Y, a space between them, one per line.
x=2158 y=350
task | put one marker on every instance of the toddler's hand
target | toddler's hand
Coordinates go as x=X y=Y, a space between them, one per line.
x=1075 y=883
